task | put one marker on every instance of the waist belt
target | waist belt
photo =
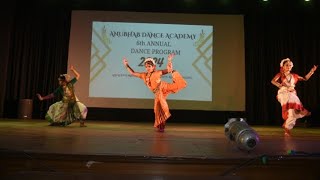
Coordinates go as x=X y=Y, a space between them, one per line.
x=155 y=90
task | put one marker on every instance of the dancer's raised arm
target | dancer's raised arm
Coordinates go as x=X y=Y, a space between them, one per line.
x=49 y=96
x=169 y=65
x=307 y=76
x=130 y=70
x=75 y=72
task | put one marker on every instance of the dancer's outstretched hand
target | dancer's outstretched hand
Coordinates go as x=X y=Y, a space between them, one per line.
x=314 y=68
x=71 y=68
x=125 y=61
x=39 y=97
x=171 y=56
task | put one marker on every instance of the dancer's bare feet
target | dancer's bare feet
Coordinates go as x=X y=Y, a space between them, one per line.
x=82 y=124
x=287 y=132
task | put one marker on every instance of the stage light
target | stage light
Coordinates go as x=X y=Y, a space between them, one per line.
x=237 y=130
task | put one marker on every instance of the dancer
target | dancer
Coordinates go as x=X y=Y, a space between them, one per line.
x=161 y=89
x=292 y=108
x=69 y=109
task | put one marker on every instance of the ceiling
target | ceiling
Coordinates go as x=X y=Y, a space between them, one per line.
x=186 y=6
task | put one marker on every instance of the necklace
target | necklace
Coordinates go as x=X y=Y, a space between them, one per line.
x=288 y=79
x=148 y=76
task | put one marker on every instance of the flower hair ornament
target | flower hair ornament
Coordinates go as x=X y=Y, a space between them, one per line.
x=64 y=77
x=149 y=60
x=285 y=60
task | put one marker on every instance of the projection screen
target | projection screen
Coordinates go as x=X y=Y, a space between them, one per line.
x=209 y=54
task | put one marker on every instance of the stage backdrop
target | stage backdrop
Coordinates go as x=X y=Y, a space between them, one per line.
x=209 y=54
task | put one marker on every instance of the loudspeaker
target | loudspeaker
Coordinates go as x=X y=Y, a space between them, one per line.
x=25 y=109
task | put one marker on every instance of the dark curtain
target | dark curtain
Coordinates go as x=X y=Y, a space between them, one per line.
x=6 y=19
x=269 y=38
x=37 y=51
x=38 y=54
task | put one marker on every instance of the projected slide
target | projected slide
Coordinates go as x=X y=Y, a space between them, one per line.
x=209 y=55
x=111 y=41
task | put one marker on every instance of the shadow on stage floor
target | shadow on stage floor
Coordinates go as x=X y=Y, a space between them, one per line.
x=121 y=150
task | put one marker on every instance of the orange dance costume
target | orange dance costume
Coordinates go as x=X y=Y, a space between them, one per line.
x=161 y=89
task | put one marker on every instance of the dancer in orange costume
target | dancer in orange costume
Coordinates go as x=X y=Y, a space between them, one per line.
x=292 y=108
x=161 y=89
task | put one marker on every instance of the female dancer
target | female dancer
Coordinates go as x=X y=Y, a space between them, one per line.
x=161 y=89
x=292 y=108
x=69 y=109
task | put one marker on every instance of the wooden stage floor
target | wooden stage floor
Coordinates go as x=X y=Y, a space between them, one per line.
x=118 y=150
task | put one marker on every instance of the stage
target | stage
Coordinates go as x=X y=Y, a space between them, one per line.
x=122 y=150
